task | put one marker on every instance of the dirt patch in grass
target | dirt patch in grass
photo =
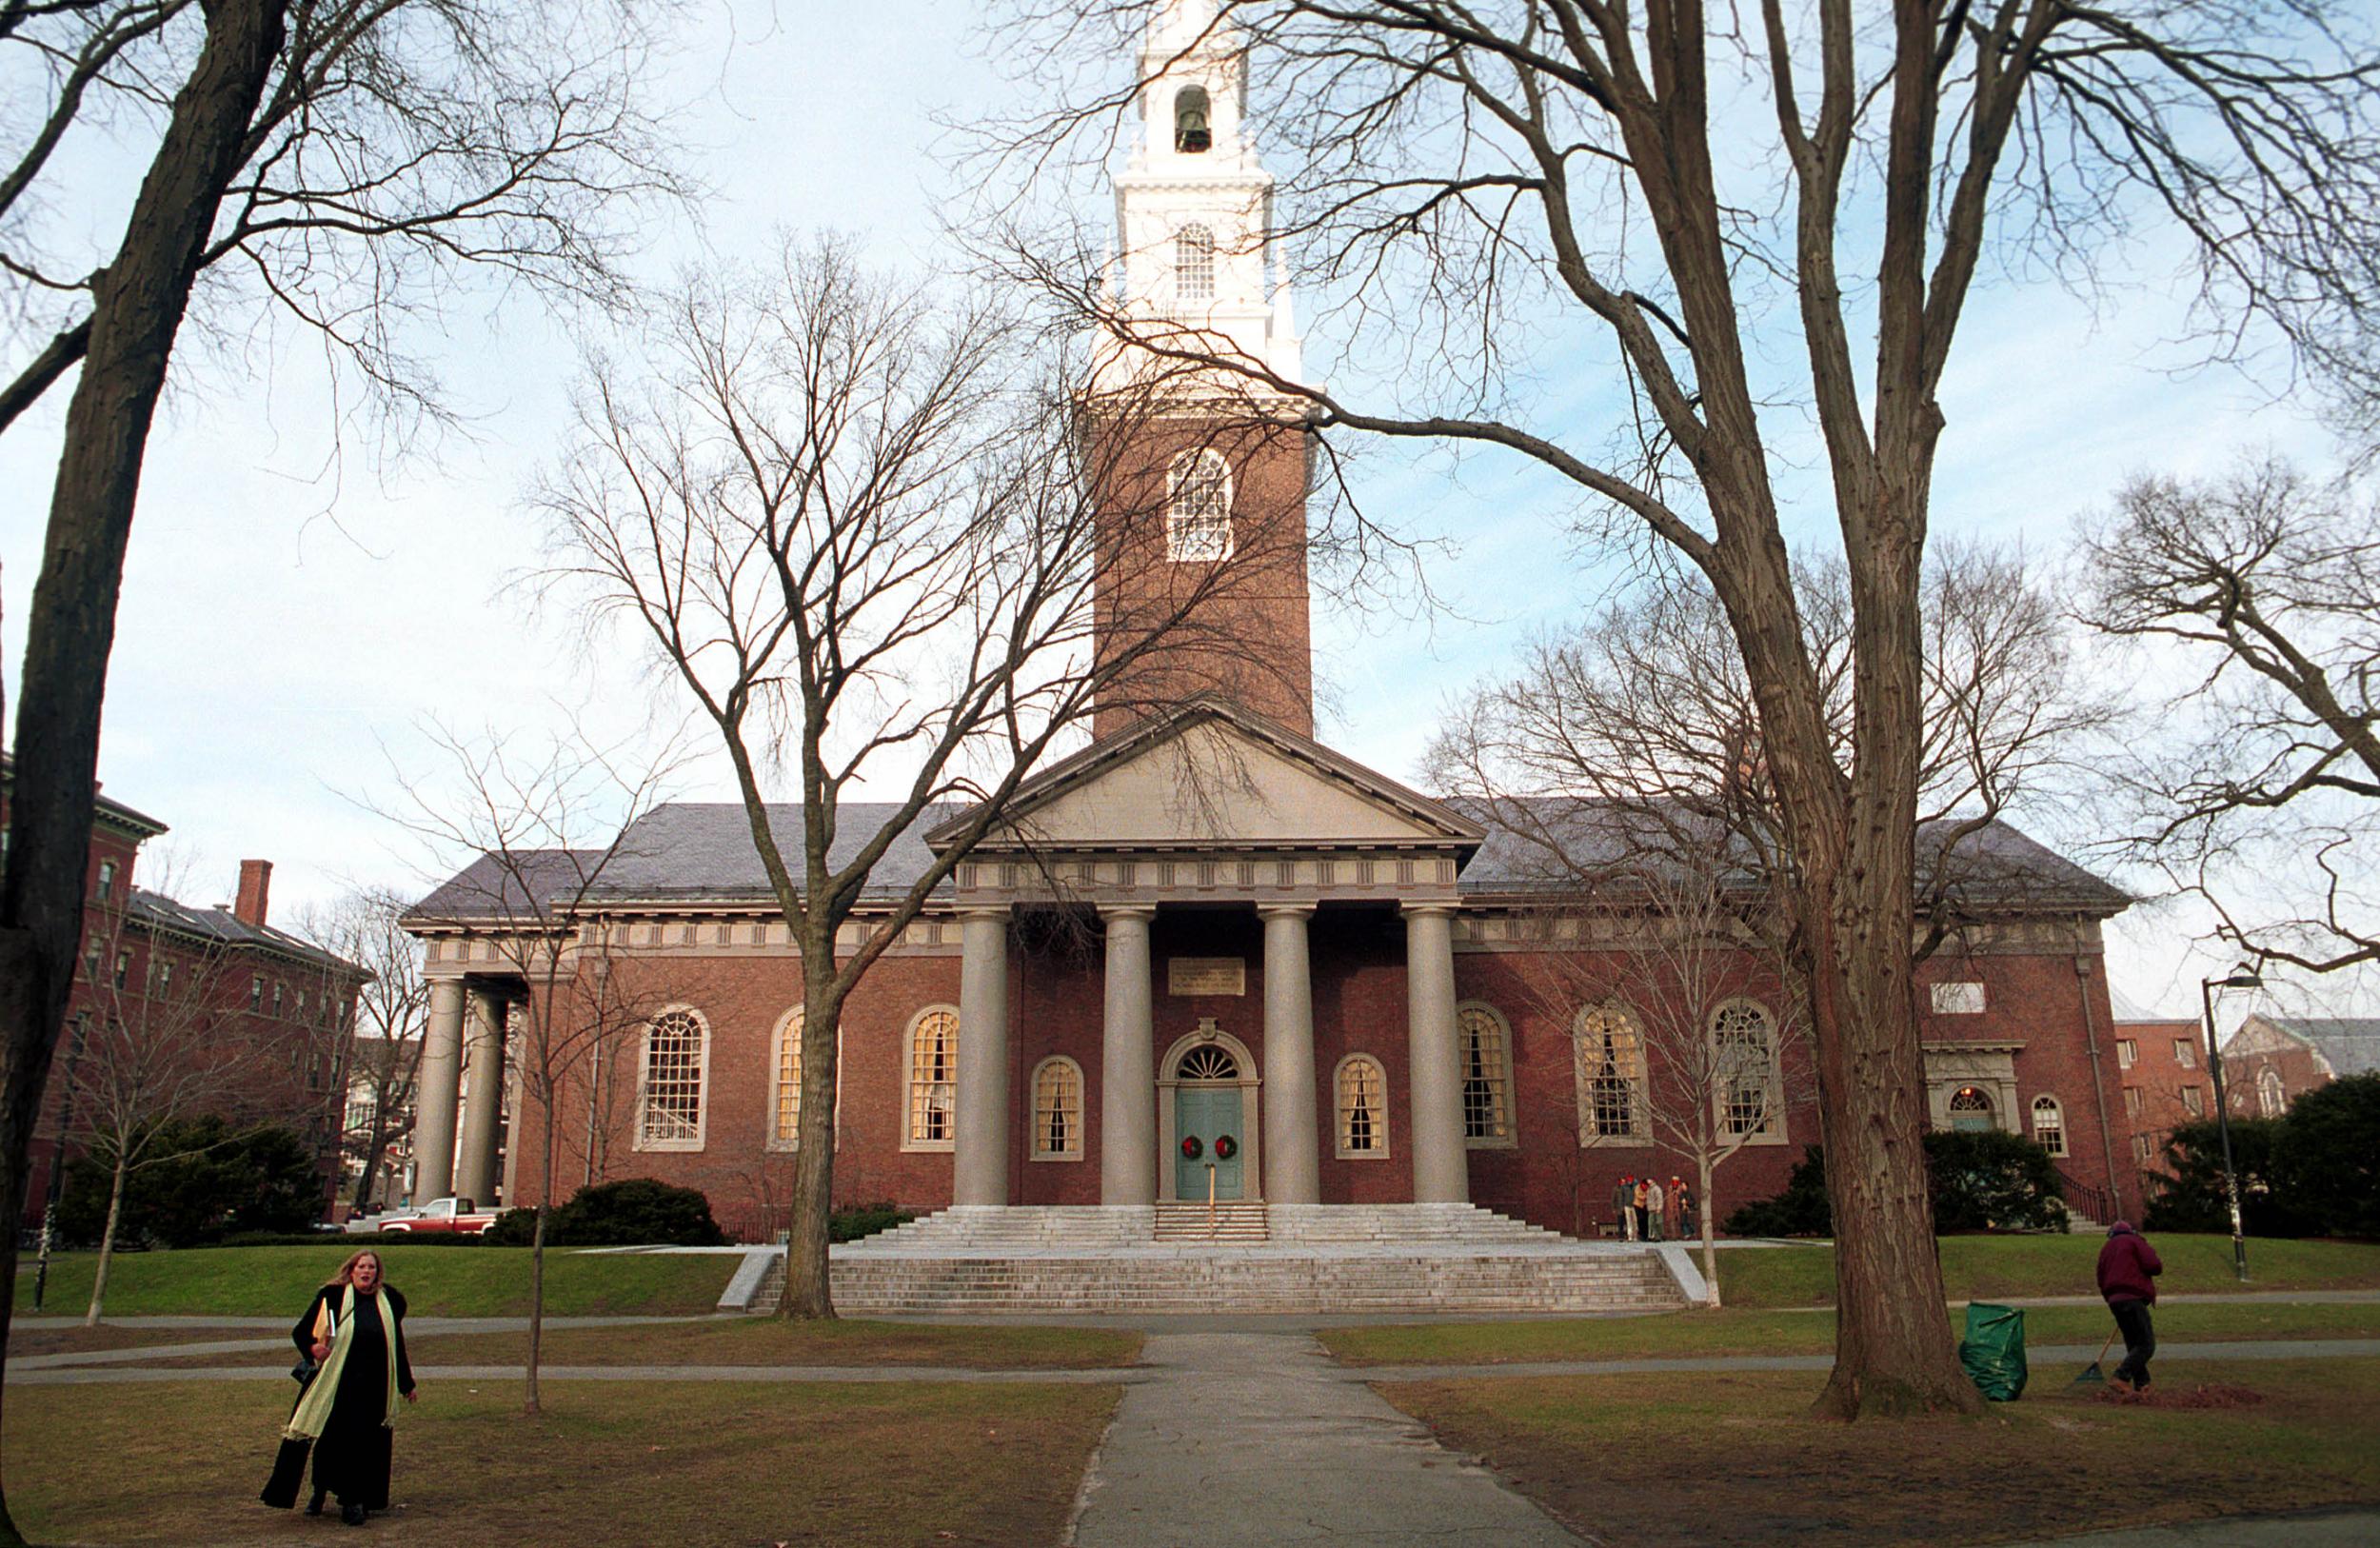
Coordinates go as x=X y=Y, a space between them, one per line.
x=1668 y=1461
x=710 y=1463
x=2205 y=1395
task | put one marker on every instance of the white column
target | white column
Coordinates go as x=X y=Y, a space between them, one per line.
x=1127 y=1064
x=482 y=1099
x=980 y=1165
x=435 y=1093
x=1292 y=1137
x=1441 y=1170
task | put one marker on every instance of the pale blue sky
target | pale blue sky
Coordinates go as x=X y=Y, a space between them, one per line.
x=286 y=614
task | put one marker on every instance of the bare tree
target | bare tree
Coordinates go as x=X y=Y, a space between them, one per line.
x=1483 y=179
x=877 y=536
x=2267 y=586
x=383 y=1051
x=546 y=825
x=343 y=163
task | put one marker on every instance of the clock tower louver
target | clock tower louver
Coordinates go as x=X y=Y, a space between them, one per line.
x=1202 y=470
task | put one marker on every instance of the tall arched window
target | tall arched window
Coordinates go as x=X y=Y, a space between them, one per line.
x=1057 y=1110
x=2272 y=1099
x=786 y=1129
x=1750 y=1088
x=1609 y=1051
x=1194 y=263
x=1193 y=121
x=1487 y=1076
x=669 y=1107
x=1362 y=1108
x=933 y=1078
x=2049 y=1125
x=1198 y=507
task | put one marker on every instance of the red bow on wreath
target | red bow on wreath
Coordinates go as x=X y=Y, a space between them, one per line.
x=1225 y=1148
x=1190 y=1146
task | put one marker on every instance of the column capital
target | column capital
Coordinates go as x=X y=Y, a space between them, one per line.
x=998 y=911
x=1284 y=908
x=1428 y=910
x=1109 y=913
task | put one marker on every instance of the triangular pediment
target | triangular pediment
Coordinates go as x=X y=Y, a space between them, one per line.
x=1217 y=775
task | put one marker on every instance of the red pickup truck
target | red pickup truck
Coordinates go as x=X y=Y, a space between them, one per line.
x=456 y=1215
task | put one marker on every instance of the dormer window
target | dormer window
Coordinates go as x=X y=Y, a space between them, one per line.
x=1197 y=519
x=1192 y=118
x=1194 y=263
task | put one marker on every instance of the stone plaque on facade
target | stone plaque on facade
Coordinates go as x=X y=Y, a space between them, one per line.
x=1206 y=975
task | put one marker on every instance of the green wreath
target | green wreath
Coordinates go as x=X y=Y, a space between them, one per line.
x=1225 y=1148
x=1190 y=1146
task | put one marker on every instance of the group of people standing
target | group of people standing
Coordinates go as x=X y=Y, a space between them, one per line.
x=1645 y=1211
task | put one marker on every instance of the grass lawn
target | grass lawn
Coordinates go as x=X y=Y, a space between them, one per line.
x=1737 y=1331
x=694 y=1464
x=1987 y=1268
x=763 y=1341
x=437 y=1281
x=1664 y=1462
x=81 y=1340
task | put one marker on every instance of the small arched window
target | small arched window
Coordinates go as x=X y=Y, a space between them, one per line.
x=1362 y=1108
x=1198 y=508
x=1486 y=1048
x=1194 y=263
x=669 y=1109
x=1970 y=1109
x=1057 y=1110
x=933 y=1078
x=2049 y=1125
x=1612 y=1095
x=1194 y=115
x=786 y=1129
x=2272 y=1099
x=1749 y=1084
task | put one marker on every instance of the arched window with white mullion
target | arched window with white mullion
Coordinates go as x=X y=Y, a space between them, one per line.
x=1057 y=1110
x=669 y=1087
x=1197 y=508
x=933 y=1080
x=1362 y=1096
x=1485 y=1042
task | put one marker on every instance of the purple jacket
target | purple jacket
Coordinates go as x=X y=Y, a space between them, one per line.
x=2127 y=1266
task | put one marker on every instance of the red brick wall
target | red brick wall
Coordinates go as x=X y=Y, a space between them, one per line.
x=2157 y=1078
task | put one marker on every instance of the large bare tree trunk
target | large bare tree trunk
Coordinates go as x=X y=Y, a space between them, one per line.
x=808 y=1293
x=107 y=1245
x=138 y=303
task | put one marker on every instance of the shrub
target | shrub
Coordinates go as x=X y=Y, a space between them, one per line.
x=2328 y=1157
x=632 y=1212
x=211 y=1182
x=1978 y=1180
x=2189 y=1195
x=850 y=1224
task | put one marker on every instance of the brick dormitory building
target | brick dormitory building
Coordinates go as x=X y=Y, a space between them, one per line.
x=1307 y=984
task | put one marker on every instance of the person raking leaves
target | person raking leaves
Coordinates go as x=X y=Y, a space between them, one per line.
x=2127 y=1279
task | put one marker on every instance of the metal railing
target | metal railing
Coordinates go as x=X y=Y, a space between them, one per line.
x=2091 y=1199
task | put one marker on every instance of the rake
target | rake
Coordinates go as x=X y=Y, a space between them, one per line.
x=2092 y=1374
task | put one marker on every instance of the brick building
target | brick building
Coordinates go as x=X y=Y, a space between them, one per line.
x=2272 y=1061
x=2161 y=1064
x=1208 y=956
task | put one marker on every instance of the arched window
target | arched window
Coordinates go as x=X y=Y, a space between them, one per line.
x=669 y=1109
x=1749 y=1087
x=1193 y=121
x=1487 y=1076
x=786 y=1130
x=1609 y=1051
x=1057 y=1110
x=1970 y=1109
x=1194 y=263
x=2049 y=1125
x=2272 y=1099
x=933 y=1078
x=1362 y=1108
x=1198 y=509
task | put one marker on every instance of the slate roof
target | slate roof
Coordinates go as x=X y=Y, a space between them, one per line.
x=491 y=888
x=704 y=849
x=155 y=911
x=2352 y=1044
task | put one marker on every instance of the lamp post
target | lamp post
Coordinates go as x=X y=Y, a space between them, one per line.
x=2241 y=977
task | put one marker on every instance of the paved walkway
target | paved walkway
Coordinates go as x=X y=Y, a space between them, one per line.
x=1262 y=1440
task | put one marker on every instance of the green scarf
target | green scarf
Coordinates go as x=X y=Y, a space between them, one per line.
x=313 y=1410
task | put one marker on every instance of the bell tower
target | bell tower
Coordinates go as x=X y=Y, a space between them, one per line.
x=1201 y=473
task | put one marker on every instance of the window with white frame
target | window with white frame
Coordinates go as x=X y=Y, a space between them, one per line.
x=1194 y=263
x=2127 y=1053
x=1197 y=508
x=2049 y=1125
x=2132 y=1103
x=1958 y=999
x=1057 y=1110
x=785 y=1131
x=1362 y=1108
x=1611 y=1073
x=2144 y=1148
x=2194 y=1102
x=669 y=1110
x=106 y=880
x=2186 y=1052
x=1749 y=1084
x=933 y=1078
x=2271 y=1096
x=1486 y=1048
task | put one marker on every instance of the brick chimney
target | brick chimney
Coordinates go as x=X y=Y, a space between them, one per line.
x=255 y=882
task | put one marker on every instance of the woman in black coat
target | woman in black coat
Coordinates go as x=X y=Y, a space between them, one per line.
x=354 y=1332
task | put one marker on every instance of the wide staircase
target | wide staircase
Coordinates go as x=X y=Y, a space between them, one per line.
x=1241 y=1258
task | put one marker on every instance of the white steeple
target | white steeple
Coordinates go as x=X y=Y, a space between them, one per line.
x=1194 y=205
